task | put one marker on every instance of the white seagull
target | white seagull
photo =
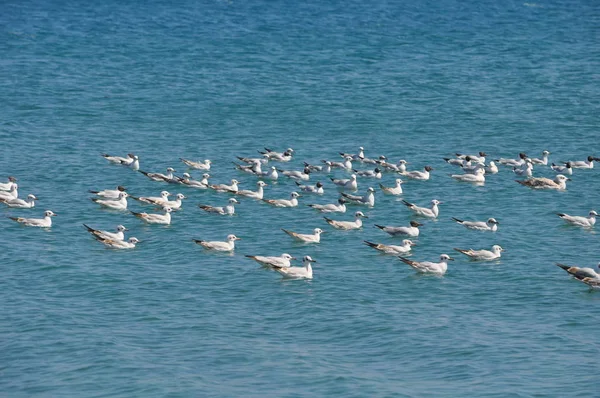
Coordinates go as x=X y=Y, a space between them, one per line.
x=525 y=170
x=298 y=272
x=588 y=221
x=395 y=190
x=173 y=204
x=119 y=244
x=318 y=188
x=432 y=212
x=258 y=194
x=6 y=186
x=412 y=231
x=110 y=193
x=226 y=188
x=419 y=175
x=119 y=235
x=346 y=164
x=197 y=165
x=155 y=218
x=119 y=204
x=359 y=156
x=315 y=237
x=340 y=207
x=559 y=182
x=490 y=225
x=543 y=160
x=163 y=198
x=347 y=225
x=278 y=156
x=368 y=199
x=426 y=267
x=303 y=175
x=45 y=222
x=13 y=193
x=478 y=177
x=263 y=160
x=583 y=164
x=228 y=210
x=349 y=184
x=271 y=174
x=118 y=159
x=407 y=245
x=291 y=202
x=513 y=162
x=21 y=203
x=159 y=176
x=326 y=168
x=202 y=184
x=475 y=158
x=482 y=255
x=282 y=261
x=399 y=167
x=369 y=173
x=560 y=169
x=227 y=246
x=253 y=168
x=491 y=168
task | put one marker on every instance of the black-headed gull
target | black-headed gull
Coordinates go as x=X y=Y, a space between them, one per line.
x=525 y=170
x=419 y=175
x=253 y=168
x=347 y=225
x=227 y=246
x=152 y=218
x=110 y=193
x=282 y=261
x=118 y=159
x=490 y=225
x=205 y=165
x=263 y=160
x=304 y=272
x=346 y=164
x=480 y=158
x=228 y=210
x=559 y=182
x=258 y=194
x=271 y=174
x=233 y=187
x=21 y=203
x=560 y=169
x=135 y=164
x=512 y=162
x=491 y=168
x=432 y=212
x=588 y=221
x=478 y=177
x=13 y=193
x=340 y=207
x=163 y=198
x=358 y=156
x=326 y=168
x=399 y=167
x=303 y=175
x=315 y=237
x=543 y=160
x=291 y=202
x=349 y=184
x=406 y=246
x=119 y=244
x=318 y=188
x=159 y=176
x=482 y=255
x=380 y=159
x=118 y=204
x=119 y=235
x=6 y=186
x=173 y=204
x=583 y=164
x=278 y=156
x=369 y=173
x=202 y=184
x=412 y=230
x=368 y=199
x=426 y=267
x=461 y=162
x=45 y=222
x=395 y=190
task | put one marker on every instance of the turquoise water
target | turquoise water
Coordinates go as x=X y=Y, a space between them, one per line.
x=218 y=79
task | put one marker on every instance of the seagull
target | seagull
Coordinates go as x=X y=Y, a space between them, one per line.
x=527 y=171
x=271 y=174
x=282 y=261
x=109 y=193
x=484 y=255
x=368 y=199
x=263 y=160
x=360 y=156
x=346 y=164
x=6 y=186
x=427 y=267
x=478 y=159
x=326 y=168
x=566 y=169
x=380 y=159
x=202 y=184
x=399 y=167
x=303 y=175
x=318 y=188
x=197 y=165
x=227 y=246
x=474 y=168
x=135 y=164
x=349 y=184
x=490 y=225
x=277 y=156
x=478 y=177
x=331 y=208
x=20 y=203
x=491 y=168
x=117 y=159
x=291 y=202
x=258 y=194
x=226 y=188
x=407 y=245
x=315 y=237
x=412 y=231
x=584 y=164
x=559 y=182
x=581 y=273
x=347 y=225
x=433 y=212
x=419 y=175
x=45 y=222
x=119 y=235
x=253 y=168
x=228 y=210
x=119 y=204
x=512 y=162
x=369 y=173
x=543 y=160
x=163 y=198
x=592 y=282
x=461 y=162
x=159 y=176
x=395 y=190
x=588 y=221
x=119 y=244
x=10 y=195
x=173 y=204
x=155 y=218
x=298 y=272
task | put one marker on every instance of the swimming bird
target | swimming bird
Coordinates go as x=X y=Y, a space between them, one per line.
x=163 y=198
x=21 y=203
x=398 y=167
x=119 y=235
x=359 y=156
x=543 y=160
x=369 y=173
x=480 y=158
x=419 y=175
x=271 y=174
x=258 y=194
x=135 y=164
x=318 y=188
x=252 y=168
x=559 y=182
x=432 y=212
x=426 y=267
x=346 y=164
x=478 y=177
x=263 y=160
x=155 y=218
x=412 y=230
x=6 y=186
x=227 y=246
x=368 y=199
x=110 y=193
x=560 y=169
x=304 y=272
x=228 y=210
x=119 y=204
x=291 y=202
x=326 y=168
x=482 y=255
x=347 y=225
x=303 y=175
x=458 y=161
x=406 y=246
x=13 y=193
x=581 y=273
x=592 y=282
x=525 y=170
x=205 y=165
x=173 y=204
x=233 y=187
x=490 y=225
x=340 y=207
x=119 y=244
x=381 y=158
x=282 y=261
x=278 y=156
x=315 y=237
x=159 y=176
x=580 y=221
x=395 y=190
x=583 y=164
x=491 y=168
x=45 y=222
x=202 y=184
x=118 y=159
x=512 y=162
x=349 y=184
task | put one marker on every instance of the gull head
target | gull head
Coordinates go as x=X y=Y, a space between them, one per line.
x=180 y=196
x=319 y=184
x=205 y=175
x=408 y=242
x=187 y=175
x=290 y=150
x=12 y=179
x=207 y=161
x=436 y=202
x=592 y=213
x=121 y=188
x=590 y=158
x=399 y=181
x=232 y=238
x=318 y=231
x=544 y=153
x=49 y=213
x=261 y=184
x=288 y=257
x=492 y=221
x=370 y=189
x=497 y=248
x=123 y=195
x=294 y=195
x=428 y=168
x=233 y=200
x=341 y=201
x=360 y=148
x=402 y=161
x=445 y=257
x=415 y=224
x=164 y=194
x=170 y=169
x=483 y=154
x=360 y=214
x=168 y=210
x=306 y=170
x=562 y=178
x=377 y=170
x=523 y=155
x=308 y=259
x=234 y=182
x=353 y=177
x=133 y=240
x=31 y=197
x=348 y=158
x=121 y=228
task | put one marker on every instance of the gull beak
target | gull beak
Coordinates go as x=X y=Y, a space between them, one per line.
x=568 y=179
x=238 y=238
x=413 y=244
x=293 y=258
x=450 y=258
x=313 y=261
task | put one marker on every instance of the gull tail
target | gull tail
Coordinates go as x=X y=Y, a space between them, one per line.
x=458 y=220
x=408 y=204
x=268 y=149
x=94 y=192
x=521 y=182
x=379 y=226
x=561 y=214
x=290 y=233
x=198 y=241
x=371 y=244
x=14 y=218
x=91 y=230
x=406 y=260
x=329 y=220
x=461 y=251
x=136 y=214
x=564 y=266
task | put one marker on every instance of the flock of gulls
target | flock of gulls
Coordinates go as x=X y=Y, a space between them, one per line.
x=268 y=168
